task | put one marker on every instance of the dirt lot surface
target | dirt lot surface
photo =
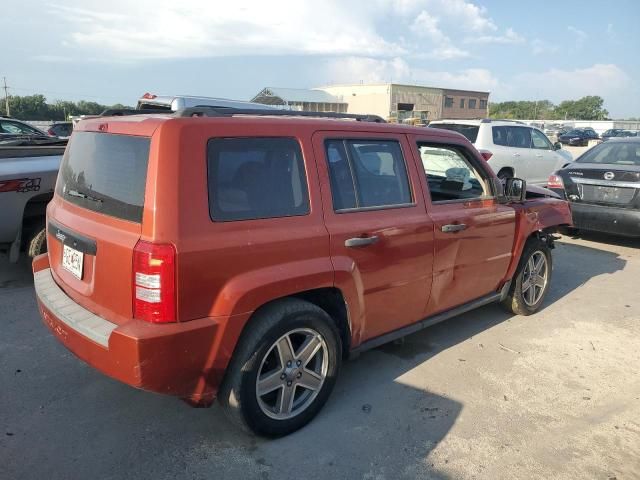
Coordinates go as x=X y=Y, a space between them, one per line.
x=482 y=396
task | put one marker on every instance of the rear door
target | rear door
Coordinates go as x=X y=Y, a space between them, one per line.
x=381 y=238
x=512 y=149
x=474 y=234
x=94 y=220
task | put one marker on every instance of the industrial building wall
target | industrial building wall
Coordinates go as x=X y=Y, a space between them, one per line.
x=462 y=104
x=365 y=99
x=423 y=99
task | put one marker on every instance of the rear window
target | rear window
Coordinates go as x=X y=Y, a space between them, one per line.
x=252 y=178
x=622 y=153
x=469 y=131
x=105 y=173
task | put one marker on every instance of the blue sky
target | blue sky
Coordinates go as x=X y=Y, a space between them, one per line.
x=114 y=51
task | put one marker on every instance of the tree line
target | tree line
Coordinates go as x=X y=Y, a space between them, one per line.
x=35 y=107
x=586 y=108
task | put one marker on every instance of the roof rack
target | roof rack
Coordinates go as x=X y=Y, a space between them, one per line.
x=489 y=120
x=210 y=111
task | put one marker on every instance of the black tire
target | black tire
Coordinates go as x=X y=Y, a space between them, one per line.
x=238 y=392
x=37 y=242
x=515 y=302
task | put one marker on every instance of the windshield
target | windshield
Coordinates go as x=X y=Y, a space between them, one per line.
x=469 y=131
x=105 y=173
x=613 y=153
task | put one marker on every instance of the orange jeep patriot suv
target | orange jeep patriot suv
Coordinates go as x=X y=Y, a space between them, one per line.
x=243 y=254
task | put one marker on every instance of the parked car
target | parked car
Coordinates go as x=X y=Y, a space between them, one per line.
x=603 y=187
x=28 y=170
x=612 y=132
x=11 y=126
x=244 y=254
x=555 y=130
x=61 y=129
x=578 y=137
x=511 y=148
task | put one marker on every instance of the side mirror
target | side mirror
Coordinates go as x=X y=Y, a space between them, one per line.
x=557 y=146
x=515 y=189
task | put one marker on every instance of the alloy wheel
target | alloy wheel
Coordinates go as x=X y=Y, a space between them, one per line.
x=292 y=373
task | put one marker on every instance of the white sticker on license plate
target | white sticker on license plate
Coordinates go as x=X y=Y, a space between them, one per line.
x=72 y=261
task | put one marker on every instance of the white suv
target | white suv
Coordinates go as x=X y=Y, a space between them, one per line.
x=513 y=149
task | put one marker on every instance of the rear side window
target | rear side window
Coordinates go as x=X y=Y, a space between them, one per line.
x=367 y=174
x=469 y=131
x=251 y=178
x=105 y=173
x=518 y=137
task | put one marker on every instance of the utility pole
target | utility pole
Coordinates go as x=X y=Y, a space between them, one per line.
x=6 y=96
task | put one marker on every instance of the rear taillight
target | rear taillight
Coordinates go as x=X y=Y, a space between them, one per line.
x=154 y=282
x=486 y=154
x=555 y=181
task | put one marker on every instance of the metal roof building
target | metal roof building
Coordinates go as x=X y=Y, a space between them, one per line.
x=310 y=100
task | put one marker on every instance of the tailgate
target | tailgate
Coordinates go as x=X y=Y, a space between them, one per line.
x=94 y=221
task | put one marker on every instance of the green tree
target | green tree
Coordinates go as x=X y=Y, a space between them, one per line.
x=586 y=108
x=35 y=107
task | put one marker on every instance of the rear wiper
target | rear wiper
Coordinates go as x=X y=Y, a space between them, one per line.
x=75 y=193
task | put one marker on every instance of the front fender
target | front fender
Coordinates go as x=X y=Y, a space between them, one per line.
x=533 y=216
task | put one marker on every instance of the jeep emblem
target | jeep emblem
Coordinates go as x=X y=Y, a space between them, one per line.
x=609 y=176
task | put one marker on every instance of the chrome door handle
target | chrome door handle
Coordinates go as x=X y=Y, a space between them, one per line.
x=456 y=227
x=361 y=241
x=516 y=154
x=539 y=155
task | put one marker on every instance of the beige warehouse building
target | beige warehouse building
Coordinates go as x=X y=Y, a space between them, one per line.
x=393 y=101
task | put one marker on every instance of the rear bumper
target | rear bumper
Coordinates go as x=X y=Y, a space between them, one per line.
x=619 y=221
x=181 y=359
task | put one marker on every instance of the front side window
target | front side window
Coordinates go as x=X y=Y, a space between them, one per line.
x=540 y=141
x=367 y=174
x=450 y=175
x=507 y=136
x=252 y=178
x=472 y=103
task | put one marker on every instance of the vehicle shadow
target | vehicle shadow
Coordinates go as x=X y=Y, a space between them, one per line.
x=574 y=265
x=382 y=421
x=607 y=238
x=13 y=275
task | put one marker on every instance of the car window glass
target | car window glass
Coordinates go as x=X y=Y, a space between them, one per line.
x=16 y=128
x=251 y=178
x=367 y=174
x=342 y=187
x=519 y=137
x=450 y=175
x=539 y=140
x=612 y=153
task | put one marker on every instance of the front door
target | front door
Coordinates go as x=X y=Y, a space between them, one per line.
x=381 y=237
x=545 y=159
x=474 y=234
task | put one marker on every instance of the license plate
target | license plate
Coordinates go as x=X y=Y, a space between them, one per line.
x=72 y=261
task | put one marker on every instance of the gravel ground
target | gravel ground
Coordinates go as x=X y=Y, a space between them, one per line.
x=482 y=396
